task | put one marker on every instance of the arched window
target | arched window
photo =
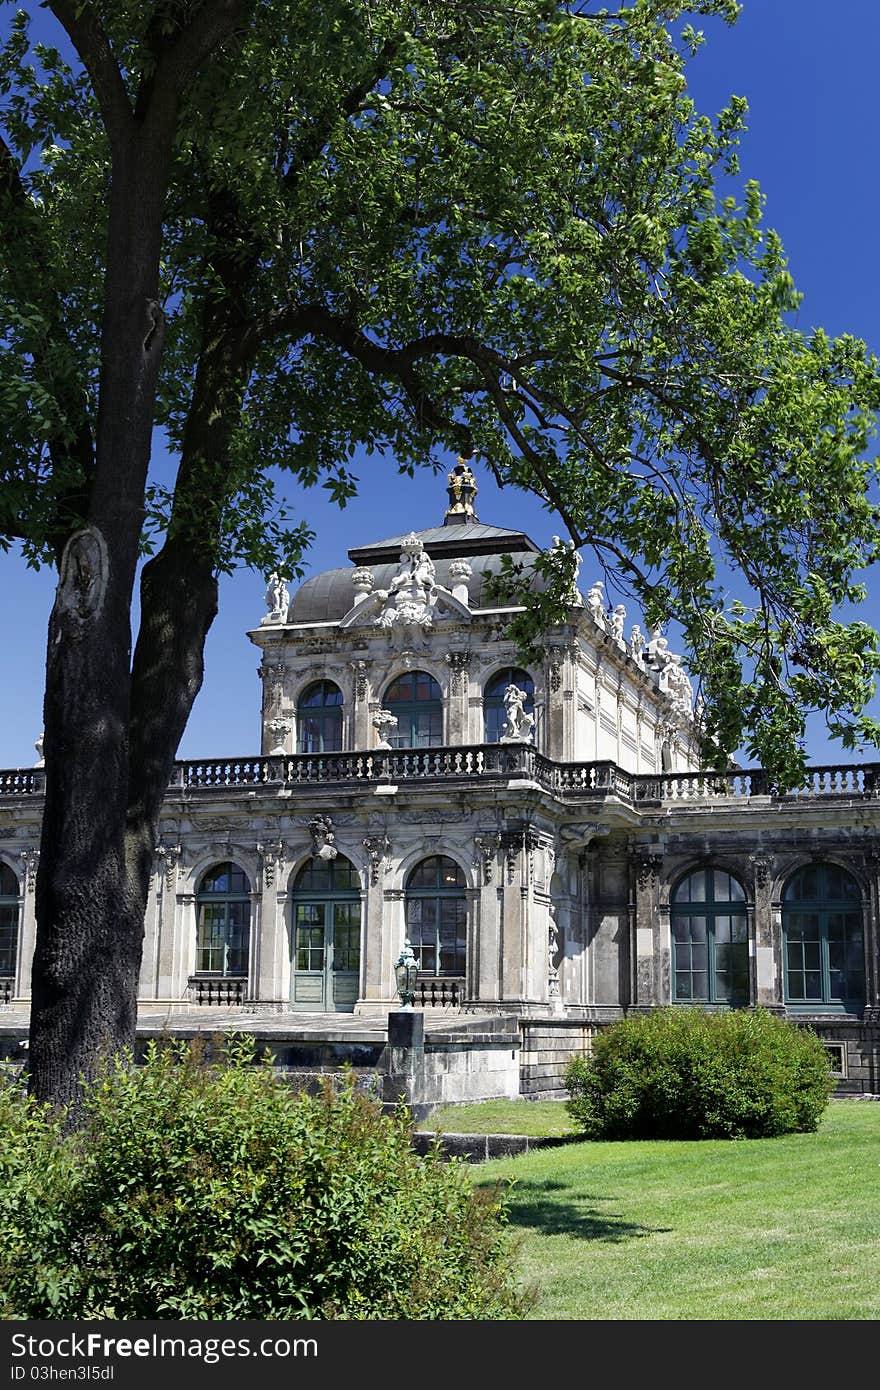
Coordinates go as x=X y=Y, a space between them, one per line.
x=417 y=701
x=710 y=945
x=326 y=936
x=224 y=919
x=9 y=899
x=494 y=713
x=436 y=916
x=822 y=939
x=319 y=718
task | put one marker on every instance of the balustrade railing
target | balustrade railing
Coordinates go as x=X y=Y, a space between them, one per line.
x=476 y=762
x=22 y=782
x=216 y=991
x=438 y=993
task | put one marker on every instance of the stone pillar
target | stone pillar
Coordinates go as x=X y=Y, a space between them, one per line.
x=650 y=936
x=27 y=916
x=275 y=676
x=276 y=948
x=168 y=857
x=383 y=930
x=405 y=1058
x=514 y=918
x=184 y=947
x=457 y=725
x=360 y=729
x=268 y=937
x=484 y=920
x=872 y=940
x=252 y=989
x=552 y=732
x=765 y=939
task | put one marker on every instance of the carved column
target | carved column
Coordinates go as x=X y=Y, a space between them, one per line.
x=649 y=986
x=518 y=969
x=168 y=860
x=269 y=944
x=766 y=971
x=458 y=730
x=555 y=677
x=484 y=944
x=872 y=940
x=383 y=939
x=27 y=920
x=274 y=677
x=378 y=912
x=361 y=729
x=184 y=951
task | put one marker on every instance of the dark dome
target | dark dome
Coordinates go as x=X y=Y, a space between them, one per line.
x=328 y=596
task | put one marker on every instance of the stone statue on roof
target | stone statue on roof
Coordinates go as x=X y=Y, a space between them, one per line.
x=277 y=600
x=412 y=593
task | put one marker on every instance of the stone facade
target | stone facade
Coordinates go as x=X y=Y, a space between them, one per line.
x=535 y=847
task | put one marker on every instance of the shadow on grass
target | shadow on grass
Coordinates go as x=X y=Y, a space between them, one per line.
x=543 y=1207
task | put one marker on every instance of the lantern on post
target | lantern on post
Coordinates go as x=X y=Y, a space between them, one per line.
x=406 y=968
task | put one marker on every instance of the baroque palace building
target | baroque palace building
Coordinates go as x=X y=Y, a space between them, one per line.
x=542 y=835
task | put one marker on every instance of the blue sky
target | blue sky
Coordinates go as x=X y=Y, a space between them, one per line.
x=809 y=75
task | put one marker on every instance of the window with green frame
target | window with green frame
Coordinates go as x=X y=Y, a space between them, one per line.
x=9 y=904
x=710 y=945
x=494 y=713
x=327 y=915
x=224 y=920
x=436 y=916
x=319 y=718
x=822 y=937
x=417 y=701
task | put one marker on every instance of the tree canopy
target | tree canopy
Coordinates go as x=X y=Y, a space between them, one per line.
x=283 y=233
x=412 y=227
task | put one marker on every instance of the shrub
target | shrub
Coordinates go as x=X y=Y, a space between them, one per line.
x=685 y=1073
x=213 y=1192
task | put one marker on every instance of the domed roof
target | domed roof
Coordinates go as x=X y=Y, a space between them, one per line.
x=328 y=596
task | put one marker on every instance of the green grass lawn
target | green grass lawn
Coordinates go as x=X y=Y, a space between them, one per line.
x=744 y=1229
x=502 y=1117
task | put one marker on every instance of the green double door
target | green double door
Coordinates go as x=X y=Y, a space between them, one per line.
x=326 y=954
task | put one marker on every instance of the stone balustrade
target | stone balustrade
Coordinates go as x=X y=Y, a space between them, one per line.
x=485 y=763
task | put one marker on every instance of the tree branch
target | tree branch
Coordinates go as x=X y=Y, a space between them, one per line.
x=180 y=54
x=87 y=35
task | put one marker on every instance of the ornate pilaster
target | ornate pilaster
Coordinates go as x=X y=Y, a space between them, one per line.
x=486 y=847
x=458 y=663
x=516 y=842
x=872 y=980
x=271 y=853
x=458 y=731
x=767 y=967
x=649 y=938
x=30 y=858
x=378 y=848
x=360 y=684
x=169 y=858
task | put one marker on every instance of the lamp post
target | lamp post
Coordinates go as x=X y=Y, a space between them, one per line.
x=406 y=968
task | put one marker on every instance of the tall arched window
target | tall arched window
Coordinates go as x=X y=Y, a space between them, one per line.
x=417 y=701
x=319 y=718
x=9 y=901
x=326 y=935
x=822 y=939
x=224 y=918
x=436 y=916
x=710 y=944
x=494 y=713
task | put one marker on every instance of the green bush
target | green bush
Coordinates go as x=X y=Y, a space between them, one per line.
x=685 y=1073
x=213 y=1192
